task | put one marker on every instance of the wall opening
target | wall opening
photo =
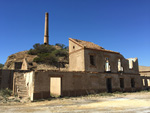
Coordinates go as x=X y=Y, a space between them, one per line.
x=107 y=65
x=109 y=85
x=120 y=68
x=18 y=65
x=92 y=60
x=55 y=86
x=143 y=82
x=132 y=83
x=148 y=82
x=73 y=47
x=131 y=62
x=121 y=83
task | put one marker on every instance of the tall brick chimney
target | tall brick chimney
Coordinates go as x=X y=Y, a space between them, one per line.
x=46 y=37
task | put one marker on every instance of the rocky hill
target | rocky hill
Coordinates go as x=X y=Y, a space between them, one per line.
x=14 y=61
x=18 y=57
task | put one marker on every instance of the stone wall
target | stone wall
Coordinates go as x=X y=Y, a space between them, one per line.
x=23 y=83
x=81 y=83
x=6 y=79
x=94 y=60
x=100 y=60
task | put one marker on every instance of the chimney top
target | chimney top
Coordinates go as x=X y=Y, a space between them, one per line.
x=46 y=37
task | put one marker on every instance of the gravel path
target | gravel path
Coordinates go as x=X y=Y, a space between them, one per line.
x=118 y=103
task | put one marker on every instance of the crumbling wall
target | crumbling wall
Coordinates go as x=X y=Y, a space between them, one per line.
x=29 y=77
x=145 y=76
x=133 y=65
x=25 y=65
x=145 y=82
x=97 y=59
x=82 y=83
x=23 y=83
x=101 y=57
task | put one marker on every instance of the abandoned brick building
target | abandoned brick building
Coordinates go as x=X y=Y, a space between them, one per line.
x=92 y=69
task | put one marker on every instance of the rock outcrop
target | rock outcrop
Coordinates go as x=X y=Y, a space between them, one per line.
x=14 y=62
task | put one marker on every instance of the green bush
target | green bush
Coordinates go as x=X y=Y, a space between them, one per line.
x=48 y=54
x=61 y=52
x=5 y=92
x=37 y=48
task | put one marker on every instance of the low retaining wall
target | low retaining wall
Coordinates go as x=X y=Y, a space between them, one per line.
x=80 y=83
x=44 y=84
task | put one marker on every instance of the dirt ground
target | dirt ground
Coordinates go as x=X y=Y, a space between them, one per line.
x=138 y=102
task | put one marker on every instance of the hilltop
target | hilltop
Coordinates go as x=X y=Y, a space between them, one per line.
x=40 y=57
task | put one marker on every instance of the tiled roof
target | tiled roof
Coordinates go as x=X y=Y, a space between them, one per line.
x=87 y=44
x=90 y=45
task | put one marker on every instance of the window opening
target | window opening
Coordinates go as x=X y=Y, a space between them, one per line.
x=119 y=65
x=131 y=62
x=148 y=82
x=107 y=65
x=92 y=60
x=143 y=82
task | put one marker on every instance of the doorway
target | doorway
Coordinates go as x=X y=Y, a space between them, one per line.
x=132 y=83
x=55 y=86
x=121 y=83
x=109 y=85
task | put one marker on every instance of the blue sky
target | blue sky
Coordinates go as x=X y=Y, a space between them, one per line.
x=118 y=25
